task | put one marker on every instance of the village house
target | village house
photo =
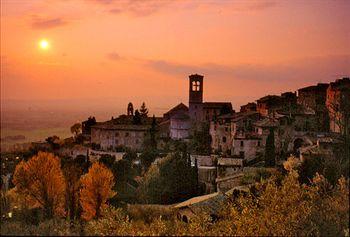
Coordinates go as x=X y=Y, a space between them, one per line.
x=338 y=104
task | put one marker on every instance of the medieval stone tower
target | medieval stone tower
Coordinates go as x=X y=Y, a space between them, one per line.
x=196 y=97
x=130 y=110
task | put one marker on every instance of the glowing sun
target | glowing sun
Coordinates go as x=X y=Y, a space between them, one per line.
x=44 y=44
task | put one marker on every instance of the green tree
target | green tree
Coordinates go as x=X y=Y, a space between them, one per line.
x=107 y=160
x=270 y=149
x=201 y=140
x=170 y=180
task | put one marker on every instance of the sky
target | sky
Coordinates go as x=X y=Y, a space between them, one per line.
x=104 y=53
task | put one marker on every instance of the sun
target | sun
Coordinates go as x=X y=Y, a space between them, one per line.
x=44 y=44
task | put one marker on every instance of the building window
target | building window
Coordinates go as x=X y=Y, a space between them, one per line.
x=223 y=139
x=258 y=143
x=116 y=141
x=137 y=141
x=126 y=134
x=196 y=86
x=117 y=134
x=226 y=129
x=242 y=143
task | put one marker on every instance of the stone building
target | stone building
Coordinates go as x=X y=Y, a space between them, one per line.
x=178 y=122
x=313 y=97
x=268 y=104
x=200 y=111
x=234 y=135
x=247 y=146
x=338 y=105
x=123 y=131
x=109 y=136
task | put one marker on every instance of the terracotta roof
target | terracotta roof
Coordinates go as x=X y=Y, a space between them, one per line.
x=133 y=127
x=210 y=203
x=178 y=107
x=319 y=86
x=267 y=122
x=242 y=115
x=216 y=104
x=230 y=162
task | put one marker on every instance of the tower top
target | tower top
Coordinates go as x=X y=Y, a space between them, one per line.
x=196 y=88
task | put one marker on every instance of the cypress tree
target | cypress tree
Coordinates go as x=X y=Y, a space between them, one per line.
x=270 y=149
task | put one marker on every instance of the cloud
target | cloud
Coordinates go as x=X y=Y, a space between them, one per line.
x=306 y=70
x=114 y=56
x=142 y=8
x=47 y=23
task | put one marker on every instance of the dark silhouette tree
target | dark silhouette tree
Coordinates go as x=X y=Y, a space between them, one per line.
x=143 y=110
x=137 y=118
x=270 y=149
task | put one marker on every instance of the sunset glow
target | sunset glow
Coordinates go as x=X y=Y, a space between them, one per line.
x=245 y=49
x=44 y=44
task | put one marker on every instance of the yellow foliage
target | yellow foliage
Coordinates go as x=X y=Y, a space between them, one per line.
x=41 y=180
x=96 y=189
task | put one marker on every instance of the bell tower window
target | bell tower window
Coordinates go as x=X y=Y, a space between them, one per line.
x=196 y=86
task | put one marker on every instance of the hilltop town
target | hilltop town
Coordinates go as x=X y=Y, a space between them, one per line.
x=196 y=158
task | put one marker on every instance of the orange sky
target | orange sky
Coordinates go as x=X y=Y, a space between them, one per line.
x=105 y=53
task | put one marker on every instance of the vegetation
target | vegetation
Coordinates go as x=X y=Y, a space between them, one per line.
x=270 y=149
x=275 y=207
x=201 y=140
x=170 y=180
x=96 y=190
x=143 y=110
x=42 y=181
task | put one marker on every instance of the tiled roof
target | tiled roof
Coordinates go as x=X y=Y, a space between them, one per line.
x=178 y=107
x=216 y=104
x=110 y=126
x=267 y=122
x=210 y=203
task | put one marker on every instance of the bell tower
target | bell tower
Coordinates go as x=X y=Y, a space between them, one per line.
x=196 y=97
x=130 y=110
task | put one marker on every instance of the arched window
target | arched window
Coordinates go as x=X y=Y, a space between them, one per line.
x=196 y=85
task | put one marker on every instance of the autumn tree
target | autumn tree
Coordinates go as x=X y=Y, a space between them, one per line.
x=96 y=189
x=143 y=110
x=41 y=179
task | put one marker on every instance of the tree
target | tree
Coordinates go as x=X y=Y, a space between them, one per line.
x=143 y=110
x=137 y=117
x=76 y=129
x=270 y=149
x=168 y=181
x=96 y=189
x=107 y=160
x=42 y=180
x=147 y=157
x=72 y=172
x=201 y=140
x=150 y=141
x=87 y=124
x=53 y=141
